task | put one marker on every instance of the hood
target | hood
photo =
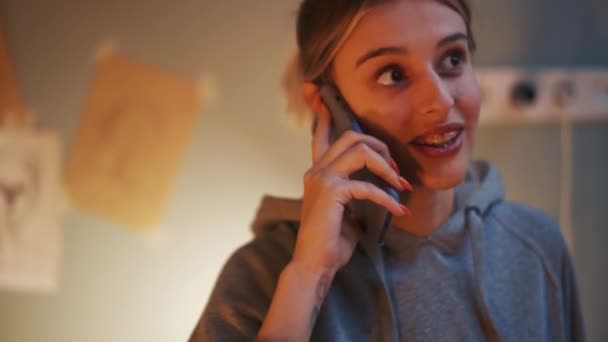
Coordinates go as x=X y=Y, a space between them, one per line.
x=273 y=210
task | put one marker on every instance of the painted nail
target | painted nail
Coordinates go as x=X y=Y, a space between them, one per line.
x=394 y=166
x=406 y=185
x=405 y=210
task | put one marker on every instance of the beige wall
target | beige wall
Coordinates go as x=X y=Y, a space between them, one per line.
x=121 y=286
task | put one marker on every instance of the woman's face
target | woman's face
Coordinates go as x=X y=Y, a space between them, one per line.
x=406 y=71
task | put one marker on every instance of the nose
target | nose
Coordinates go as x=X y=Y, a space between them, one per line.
x=431 y=97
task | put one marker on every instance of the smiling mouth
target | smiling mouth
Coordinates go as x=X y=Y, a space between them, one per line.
x=438 y=140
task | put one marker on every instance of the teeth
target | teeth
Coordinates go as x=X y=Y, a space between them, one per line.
x=437 y=139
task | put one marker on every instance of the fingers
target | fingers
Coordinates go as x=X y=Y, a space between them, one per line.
x=362 y=156
x=363 y=190
x=352 y=151
x=321 y=149
x=350 y=139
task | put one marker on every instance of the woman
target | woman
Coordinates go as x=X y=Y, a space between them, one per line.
x=459 y=263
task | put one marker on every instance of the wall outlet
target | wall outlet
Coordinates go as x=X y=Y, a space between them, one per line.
x=542 y=94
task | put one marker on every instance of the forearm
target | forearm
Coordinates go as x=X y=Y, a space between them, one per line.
x=295 y=304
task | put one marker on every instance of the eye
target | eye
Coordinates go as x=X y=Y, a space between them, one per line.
x=390 y=76
x=453 y=61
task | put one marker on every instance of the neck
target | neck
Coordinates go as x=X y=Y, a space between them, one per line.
x=430 y=209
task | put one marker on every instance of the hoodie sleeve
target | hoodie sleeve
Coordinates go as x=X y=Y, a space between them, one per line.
x=573 y=316
x=242 y=294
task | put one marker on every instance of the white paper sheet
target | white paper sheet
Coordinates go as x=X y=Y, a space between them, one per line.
x=31 y=209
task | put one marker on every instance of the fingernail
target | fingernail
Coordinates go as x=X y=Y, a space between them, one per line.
x=394 y=166
x=406 y=185
x=405 y=210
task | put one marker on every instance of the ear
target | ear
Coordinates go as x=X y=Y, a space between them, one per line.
x=310 y=94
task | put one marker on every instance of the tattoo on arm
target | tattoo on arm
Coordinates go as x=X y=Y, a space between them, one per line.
x=320 y=294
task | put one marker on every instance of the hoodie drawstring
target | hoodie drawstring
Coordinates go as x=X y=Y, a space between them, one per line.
x=475 y=226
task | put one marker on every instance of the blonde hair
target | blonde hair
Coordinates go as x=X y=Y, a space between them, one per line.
x=321 y=29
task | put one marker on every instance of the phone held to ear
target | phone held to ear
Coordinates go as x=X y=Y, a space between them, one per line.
x=374 y=217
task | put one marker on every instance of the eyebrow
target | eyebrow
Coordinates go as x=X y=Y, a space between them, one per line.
x=402 y=50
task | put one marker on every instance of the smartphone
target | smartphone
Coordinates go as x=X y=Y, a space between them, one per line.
x=375 y=218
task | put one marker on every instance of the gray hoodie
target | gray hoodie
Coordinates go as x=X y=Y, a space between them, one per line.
x=494 y=271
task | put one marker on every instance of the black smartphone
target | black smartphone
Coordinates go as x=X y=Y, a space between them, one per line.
x=375 y=218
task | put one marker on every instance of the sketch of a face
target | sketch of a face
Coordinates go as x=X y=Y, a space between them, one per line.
x=18 y=192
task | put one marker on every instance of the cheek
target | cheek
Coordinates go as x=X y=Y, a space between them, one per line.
x=468 y=101
x=390 y=112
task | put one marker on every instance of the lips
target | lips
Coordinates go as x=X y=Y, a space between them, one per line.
x=436 y=139
x=439 y=136
x=440 y=142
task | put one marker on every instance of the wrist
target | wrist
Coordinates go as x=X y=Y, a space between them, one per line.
x=313 y=283
x=296 y=303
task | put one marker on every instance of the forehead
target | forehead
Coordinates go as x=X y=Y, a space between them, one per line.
x=410 y=23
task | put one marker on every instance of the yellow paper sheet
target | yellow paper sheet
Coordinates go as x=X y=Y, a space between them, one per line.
x=11 y=103
x=132 y=136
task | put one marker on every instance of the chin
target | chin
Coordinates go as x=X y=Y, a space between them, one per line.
x=443 y=174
